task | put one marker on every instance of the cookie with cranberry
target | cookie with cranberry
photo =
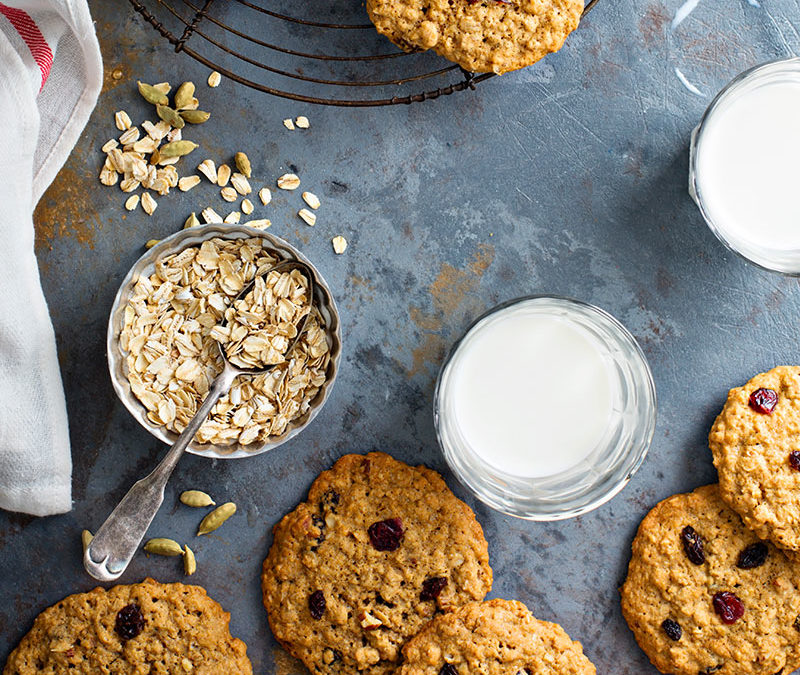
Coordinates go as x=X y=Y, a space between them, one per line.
x=755 y=441
x=377 y=550
x=496 y=637
x=140 y=628
x=705 y=595
x=480 y=35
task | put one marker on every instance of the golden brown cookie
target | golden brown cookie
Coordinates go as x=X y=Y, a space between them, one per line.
x=496 y=637
x=480 y=35
x=378 y=549
x=705 y=595
x=161 y=629
x=755 y=441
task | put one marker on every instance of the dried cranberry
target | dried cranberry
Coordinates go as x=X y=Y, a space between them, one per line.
x=317 y=604
x=753 y=556
x=693 y=545
x=764 y=400
x=728 y=606
x=794 y=460
x=432 y=587
x=130 y=622
x=672 y=629
x=448 y=669
x=386 y=535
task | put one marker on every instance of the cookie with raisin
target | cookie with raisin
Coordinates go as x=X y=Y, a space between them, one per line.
x=495 y=637
x=139 y=628
x=480 y=35
x=705 y=595
x=755 y=441
x=377 y=550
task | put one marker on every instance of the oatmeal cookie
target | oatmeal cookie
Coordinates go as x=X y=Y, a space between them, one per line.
x=755 y=442
x=149 y=627
x=480 y=35
x=378 y=549
x=496 y=637
x=705 y=595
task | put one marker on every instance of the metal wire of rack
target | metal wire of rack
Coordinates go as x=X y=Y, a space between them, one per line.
x=246 y=43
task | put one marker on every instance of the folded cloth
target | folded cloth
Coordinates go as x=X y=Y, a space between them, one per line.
x=50 y=77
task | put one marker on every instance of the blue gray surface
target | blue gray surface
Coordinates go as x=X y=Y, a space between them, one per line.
x=569 y=178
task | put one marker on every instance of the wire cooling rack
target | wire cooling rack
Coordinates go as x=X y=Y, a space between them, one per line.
x=315 y=58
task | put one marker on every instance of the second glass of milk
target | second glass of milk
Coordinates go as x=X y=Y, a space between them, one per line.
x=545 y=408
x=745 y=165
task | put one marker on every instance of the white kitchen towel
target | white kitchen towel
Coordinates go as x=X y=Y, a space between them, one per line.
x=50 y=77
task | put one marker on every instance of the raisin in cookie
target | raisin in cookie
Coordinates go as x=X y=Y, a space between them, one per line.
x=705 y=595
x=755 y=441
x=480 y=35
x=377 y=550
x=496 y=637
x=142 y=628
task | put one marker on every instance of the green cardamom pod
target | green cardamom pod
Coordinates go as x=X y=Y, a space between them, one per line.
x=192 y=221
x=243 y=164
x=184 y=95
x=163 y=87
x=162 y=546
x=195 y=116
x=189 y=561
x=177 y=149
x=152 y=95
x=214 y=519
x=170 y=116
x=195 y=498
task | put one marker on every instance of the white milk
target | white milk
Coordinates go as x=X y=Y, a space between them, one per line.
x=748 y=166
x=532 y=393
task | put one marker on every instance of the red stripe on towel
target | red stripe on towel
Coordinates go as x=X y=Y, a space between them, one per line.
x=30 y=33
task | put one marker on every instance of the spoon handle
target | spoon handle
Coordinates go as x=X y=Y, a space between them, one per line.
x=116 y=542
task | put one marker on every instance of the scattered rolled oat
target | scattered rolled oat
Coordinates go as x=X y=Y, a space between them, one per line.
x=110 y=145
x=151 y=242
x=214 y=79
x=288 y=124
x=208 y=169
x=132 y=202
x=288 y=181
x=148 y=203
x=339 y=244
x=259 y=223
x=129 y=136
x=210 y=215
x=191 y=221
x=229 y=194
x=302 y=122
x=188 y=182
x=308 y=216
x=172 y=358
x=232 y=218
x=265 y=195
x=223 y=175
x=311 y=199
x=247 y=206
x=122 y=120
x=241 y=184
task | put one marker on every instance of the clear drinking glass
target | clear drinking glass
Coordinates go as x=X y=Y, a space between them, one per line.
x=607 y=468
x=773 y=72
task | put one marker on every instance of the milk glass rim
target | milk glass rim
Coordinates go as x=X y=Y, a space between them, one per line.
x=489 y=488
x=694 y=189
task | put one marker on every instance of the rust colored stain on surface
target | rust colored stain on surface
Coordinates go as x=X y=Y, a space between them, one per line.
x=62 y=210
x=653 y=23
x=452 y=288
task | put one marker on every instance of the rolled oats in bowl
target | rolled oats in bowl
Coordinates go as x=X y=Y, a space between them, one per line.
x=177 y=303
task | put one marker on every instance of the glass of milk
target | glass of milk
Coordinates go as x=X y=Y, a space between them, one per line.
x=744 y=166
x=545 y=408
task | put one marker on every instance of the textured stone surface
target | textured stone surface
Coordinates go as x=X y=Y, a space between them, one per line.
x=568 y=177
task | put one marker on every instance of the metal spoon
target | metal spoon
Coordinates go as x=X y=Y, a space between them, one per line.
x=116 y=542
